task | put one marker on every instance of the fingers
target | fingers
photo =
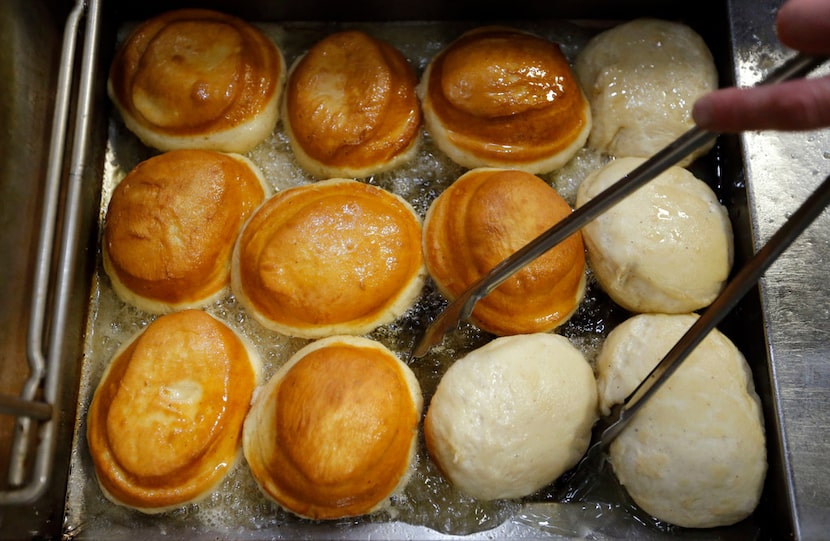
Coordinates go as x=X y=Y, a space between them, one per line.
x=795 y=105
x=804 y=25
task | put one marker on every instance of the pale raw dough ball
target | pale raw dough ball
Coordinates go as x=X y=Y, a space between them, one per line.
x=512 y=416
x=695 y=454
x=668 y=247
x=642 y=78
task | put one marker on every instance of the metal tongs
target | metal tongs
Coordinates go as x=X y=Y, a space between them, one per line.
x=609 y=427
x=462 y=306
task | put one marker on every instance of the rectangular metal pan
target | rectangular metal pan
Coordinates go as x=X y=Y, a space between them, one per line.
x=98 y=148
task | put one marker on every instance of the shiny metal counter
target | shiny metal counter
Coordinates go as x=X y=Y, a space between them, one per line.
x=782 y=169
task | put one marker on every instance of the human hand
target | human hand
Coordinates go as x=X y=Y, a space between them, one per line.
x=803 y=104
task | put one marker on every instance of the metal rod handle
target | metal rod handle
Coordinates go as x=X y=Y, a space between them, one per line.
x=46 y=353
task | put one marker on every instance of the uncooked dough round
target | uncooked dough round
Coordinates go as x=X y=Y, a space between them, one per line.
x=668 y=247
x=642 y=78
x=512 y=416
x=695 y=454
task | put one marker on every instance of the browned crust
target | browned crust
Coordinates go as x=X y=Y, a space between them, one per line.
x=351 y=106
x=172 y=222
x=481 y=219
x=150 y=451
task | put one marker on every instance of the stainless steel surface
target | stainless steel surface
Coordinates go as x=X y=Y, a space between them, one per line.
x=23 y=111
x=46 y=371
x=30 y=60
x=781 y=169
x=18 y=407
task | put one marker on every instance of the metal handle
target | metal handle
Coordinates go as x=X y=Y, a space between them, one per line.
x=45 y=355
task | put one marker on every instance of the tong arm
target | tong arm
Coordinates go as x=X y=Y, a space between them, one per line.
x=462 y=306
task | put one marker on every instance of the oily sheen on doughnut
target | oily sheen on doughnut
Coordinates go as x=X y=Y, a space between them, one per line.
x=333 y=257
x=171 y=225
x=165 y=423
x=350 y=107
x=196 y=78
x=501 y=97
x=642 y=78
x=482 y=218
x=333 y=433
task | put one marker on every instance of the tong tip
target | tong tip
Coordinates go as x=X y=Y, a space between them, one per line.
x=449 y=318
x=432 y=336
x=421 y=346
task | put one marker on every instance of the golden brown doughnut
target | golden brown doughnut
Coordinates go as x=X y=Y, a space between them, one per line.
x=482 y=218
x=165 y=423
x=334 y=432
x=350 y=107
x=505 y=98
x=196 y=78
x=171 y=225
x=333 y=257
